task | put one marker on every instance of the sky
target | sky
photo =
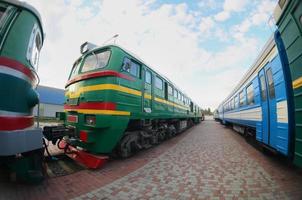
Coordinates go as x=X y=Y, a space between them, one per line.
x=204 y=46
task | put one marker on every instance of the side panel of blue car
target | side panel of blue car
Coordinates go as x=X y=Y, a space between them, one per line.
x=280 y=133
x=270 y=122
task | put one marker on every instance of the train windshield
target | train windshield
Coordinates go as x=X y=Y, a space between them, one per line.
x=75 y=69
x=3 y=14
x=2 y=11
x=96 y=61
x=34 y=47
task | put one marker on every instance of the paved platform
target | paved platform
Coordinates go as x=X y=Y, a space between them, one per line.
x=208 y=161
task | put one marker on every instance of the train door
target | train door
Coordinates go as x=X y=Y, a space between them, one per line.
x=272 y=105
x=264 y=137
x=268 y=103
x=147 y=91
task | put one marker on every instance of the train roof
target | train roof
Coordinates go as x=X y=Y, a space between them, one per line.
x=139 y=59
x=27 y=7
x=258 y=64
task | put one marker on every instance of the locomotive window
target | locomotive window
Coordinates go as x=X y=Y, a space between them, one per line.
x=263 y=88
x=148 y=77
x=170 y=90
x=131 y=67
x=250 y=95
x=158 y=83
x=271 y=87
x=3 y=14
x=96 y=61
x=2 y=11
x=134 y=69
x=241 y=99
x=75 y=69
x=34 y=47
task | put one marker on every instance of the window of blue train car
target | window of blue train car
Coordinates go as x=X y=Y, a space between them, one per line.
x=263 y=88
x=148 y=77
x=241 y=98
x=236 y=101
x=175 y=93
x=232 y=104
x=271 y=87
x=250 y=94
x=170 y=90
x=96 y=61
x=158 y=83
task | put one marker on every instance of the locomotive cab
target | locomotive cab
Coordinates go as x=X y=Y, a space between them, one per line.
x=19 y=58
x=91 y=98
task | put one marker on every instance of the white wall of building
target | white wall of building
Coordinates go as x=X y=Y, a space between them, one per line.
x=48 y=110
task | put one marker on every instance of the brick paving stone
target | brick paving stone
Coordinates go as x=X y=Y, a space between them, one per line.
x=207 y=162
x=212 y=161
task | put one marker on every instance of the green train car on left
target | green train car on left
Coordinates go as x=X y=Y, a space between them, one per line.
x=21 y=39
x=288 y=17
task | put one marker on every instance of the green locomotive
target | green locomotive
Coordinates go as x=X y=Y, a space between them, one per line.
x=288 y=17
x=115 y=102
x=21 y=39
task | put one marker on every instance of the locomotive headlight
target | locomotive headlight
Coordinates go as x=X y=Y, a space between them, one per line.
x=90 y=120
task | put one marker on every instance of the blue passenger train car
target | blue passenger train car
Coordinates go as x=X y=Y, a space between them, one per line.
x=260 y=105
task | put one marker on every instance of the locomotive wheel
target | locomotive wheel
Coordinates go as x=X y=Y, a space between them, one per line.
x=127 y=145
x=161 y=135
x=155 y=138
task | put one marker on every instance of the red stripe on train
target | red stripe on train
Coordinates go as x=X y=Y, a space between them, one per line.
x=98 y=74
x=93 y=106
x=13 y=64
x=9 y=123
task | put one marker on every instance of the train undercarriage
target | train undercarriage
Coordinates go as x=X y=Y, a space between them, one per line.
x=142 y=134
x=139 y=135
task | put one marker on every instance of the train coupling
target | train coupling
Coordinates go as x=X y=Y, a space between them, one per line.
x=55 y=133
x=68 y=142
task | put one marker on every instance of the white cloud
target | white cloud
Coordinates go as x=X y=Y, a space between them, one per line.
x=235 y=5
x=222 y=16
x=206 y=25
x=258 y=17
x=229 y=7
x=263 y=12
x=208 y=4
